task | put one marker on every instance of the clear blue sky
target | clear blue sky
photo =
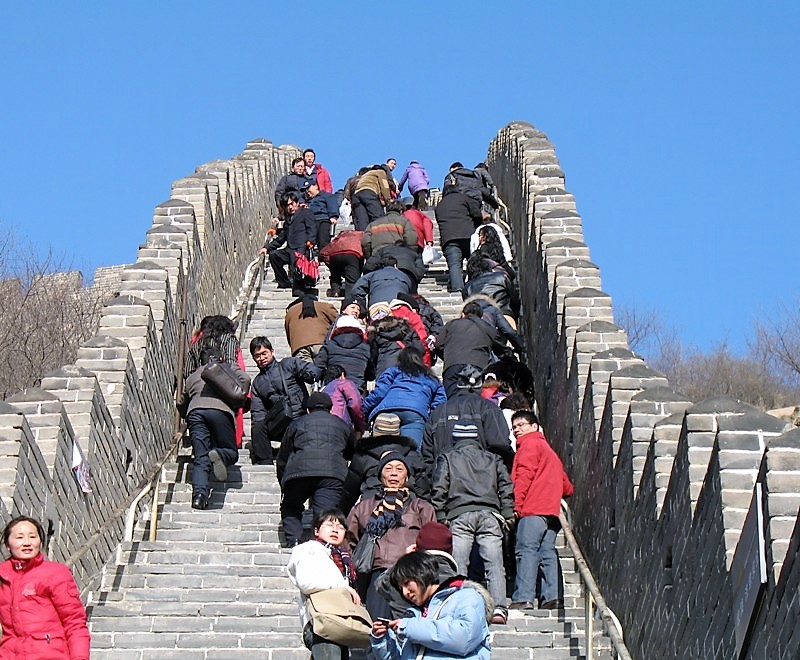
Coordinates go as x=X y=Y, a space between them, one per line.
x=676 y=123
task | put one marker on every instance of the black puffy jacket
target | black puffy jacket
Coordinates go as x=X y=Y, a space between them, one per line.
x=466 y=408
x=495 y=285
x=390 y=336
x=315 y=445
x=457 y=215
x=268 y=389
x=348 y=349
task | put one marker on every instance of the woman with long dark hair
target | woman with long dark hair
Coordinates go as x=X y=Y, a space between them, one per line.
x=410 y=390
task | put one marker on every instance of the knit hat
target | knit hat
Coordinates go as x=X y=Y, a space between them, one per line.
x=347 y=321
x=390 y=456
x=379 y=311
x=409 y=300
x=319 y=401
x=353 y=299
x=435 y=536
x=465 y=432
x=386 y=424
x=469 y=377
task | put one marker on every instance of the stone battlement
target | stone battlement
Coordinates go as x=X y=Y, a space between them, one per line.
x=116 y=403
x=662 y=484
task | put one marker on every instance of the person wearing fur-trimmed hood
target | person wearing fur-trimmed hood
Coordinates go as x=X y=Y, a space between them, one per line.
x=449 y=620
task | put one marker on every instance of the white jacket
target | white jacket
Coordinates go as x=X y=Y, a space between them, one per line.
x=311 y=569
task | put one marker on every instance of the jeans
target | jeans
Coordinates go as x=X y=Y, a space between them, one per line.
x=412 y=425
x=536 y=549
x=322 y=649
x=483 y=527
x=455 y=252
x=210 y=429
x=324 y=492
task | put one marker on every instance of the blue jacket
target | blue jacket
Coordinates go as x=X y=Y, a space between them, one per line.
x=454 y=628
x=397 y=390
x=324 y=206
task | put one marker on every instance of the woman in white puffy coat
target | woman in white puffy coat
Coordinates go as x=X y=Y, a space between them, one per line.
x=319 y=565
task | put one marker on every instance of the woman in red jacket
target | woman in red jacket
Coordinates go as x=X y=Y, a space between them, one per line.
x=40 y=608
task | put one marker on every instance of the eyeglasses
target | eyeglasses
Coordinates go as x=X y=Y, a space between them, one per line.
x=333 y=524
x=520 y=425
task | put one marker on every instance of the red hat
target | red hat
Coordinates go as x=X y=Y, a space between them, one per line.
x=435 y=536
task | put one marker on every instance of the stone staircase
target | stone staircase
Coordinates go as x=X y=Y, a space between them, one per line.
x=213 y=586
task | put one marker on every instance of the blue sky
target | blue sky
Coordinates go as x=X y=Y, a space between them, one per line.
x=676 y=123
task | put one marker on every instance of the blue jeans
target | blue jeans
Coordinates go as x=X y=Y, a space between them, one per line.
x=210 y=429
x=483 y=527
x=535 y=550
x=455 y=252
x=412 y=425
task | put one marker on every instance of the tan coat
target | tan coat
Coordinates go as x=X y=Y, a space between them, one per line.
x=377 y=182
x=308 y=332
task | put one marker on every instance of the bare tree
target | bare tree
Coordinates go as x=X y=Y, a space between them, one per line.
x=752 y=378
x=47 y=314
x=778 y=344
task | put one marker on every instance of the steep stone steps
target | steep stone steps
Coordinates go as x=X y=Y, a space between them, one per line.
x=214 y=585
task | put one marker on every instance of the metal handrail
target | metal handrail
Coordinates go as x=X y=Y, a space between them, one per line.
x=257 y=275
x=592 y=595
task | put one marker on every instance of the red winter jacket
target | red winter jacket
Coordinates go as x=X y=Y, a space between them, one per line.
x=323 y=177
x=415 y=321
x=41 y=612
x=422 y=223
x=539 y=478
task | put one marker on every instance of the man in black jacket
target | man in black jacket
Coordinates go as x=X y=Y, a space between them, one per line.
x=463 y=408
x=312 y=464
x=465 y=341
x=457 y=215
x=300 y=229
x=278 y=381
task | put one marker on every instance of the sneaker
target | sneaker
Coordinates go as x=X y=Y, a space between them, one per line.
x=499 y=616
x=218 y=465
x=521 y=605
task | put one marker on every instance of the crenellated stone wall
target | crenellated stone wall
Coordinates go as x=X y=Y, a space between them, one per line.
x=116 y=403
x=663 y=484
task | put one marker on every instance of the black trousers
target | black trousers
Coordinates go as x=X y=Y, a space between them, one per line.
x=279 y=259
x=347 y=266
x=324 y=229
x=210 y=429
x=421 y=200
x=366 y=208
x=324 y=493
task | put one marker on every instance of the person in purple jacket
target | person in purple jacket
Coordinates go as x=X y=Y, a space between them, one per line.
x=418 y=184
x=346 y=399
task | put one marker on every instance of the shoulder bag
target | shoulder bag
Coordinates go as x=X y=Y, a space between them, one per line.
x=335 y=617
x=222 y=378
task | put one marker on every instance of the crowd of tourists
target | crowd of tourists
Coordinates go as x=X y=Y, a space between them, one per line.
x=417 y=485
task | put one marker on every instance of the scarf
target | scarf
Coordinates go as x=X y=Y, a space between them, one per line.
x=342 y=560
x=388 y=512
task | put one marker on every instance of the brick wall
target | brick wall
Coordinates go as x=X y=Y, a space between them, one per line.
x=663 y=484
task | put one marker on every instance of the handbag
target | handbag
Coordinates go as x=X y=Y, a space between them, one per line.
x=307 y=264
x=363 y=554
x=222 y=378
x=335 y=617
x=279 y=415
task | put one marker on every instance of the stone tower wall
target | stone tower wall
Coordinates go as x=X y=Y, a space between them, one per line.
x=116 y=403
x=662 y=483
